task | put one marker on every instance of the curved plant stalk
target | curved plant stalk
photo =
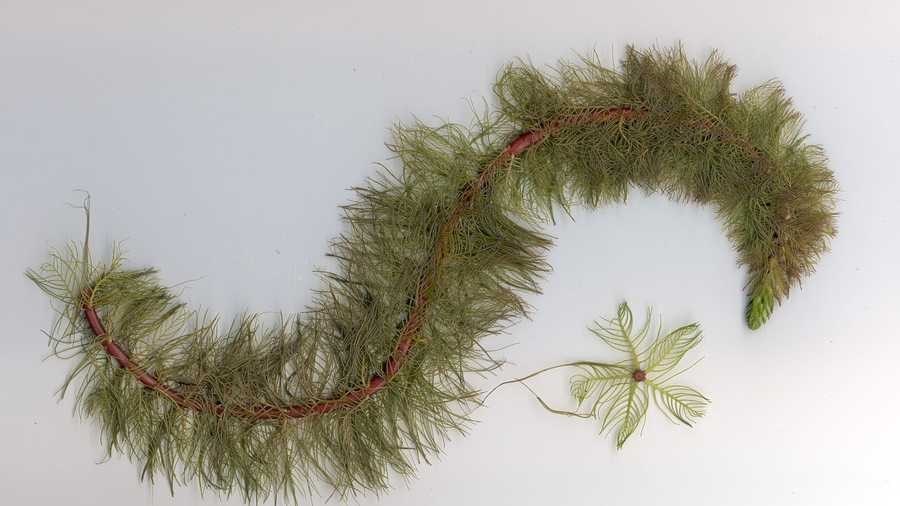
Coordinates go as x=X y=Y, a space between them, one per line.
x=371 y=378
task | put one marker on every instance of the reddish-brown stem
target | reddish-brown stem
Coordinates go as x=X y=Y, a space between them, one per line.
x=416 y=316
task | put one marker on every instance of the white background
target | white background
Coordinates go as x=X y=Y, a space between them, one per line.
x=218 y=139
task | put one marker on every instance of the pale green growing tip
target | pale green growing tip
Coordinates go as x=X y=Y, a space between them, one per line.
x=758 y=310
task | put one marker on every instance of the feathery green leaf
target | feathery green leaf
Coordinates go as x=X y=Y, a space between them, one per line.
x=619 y=393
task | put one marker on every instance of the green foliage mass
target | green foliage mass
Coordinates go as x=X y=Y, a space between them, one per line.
x=692 y=139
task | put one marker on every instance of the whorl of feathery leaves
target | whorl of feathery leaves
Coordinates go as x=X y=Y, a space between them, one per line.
x=617 y=394
x=689 y=138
